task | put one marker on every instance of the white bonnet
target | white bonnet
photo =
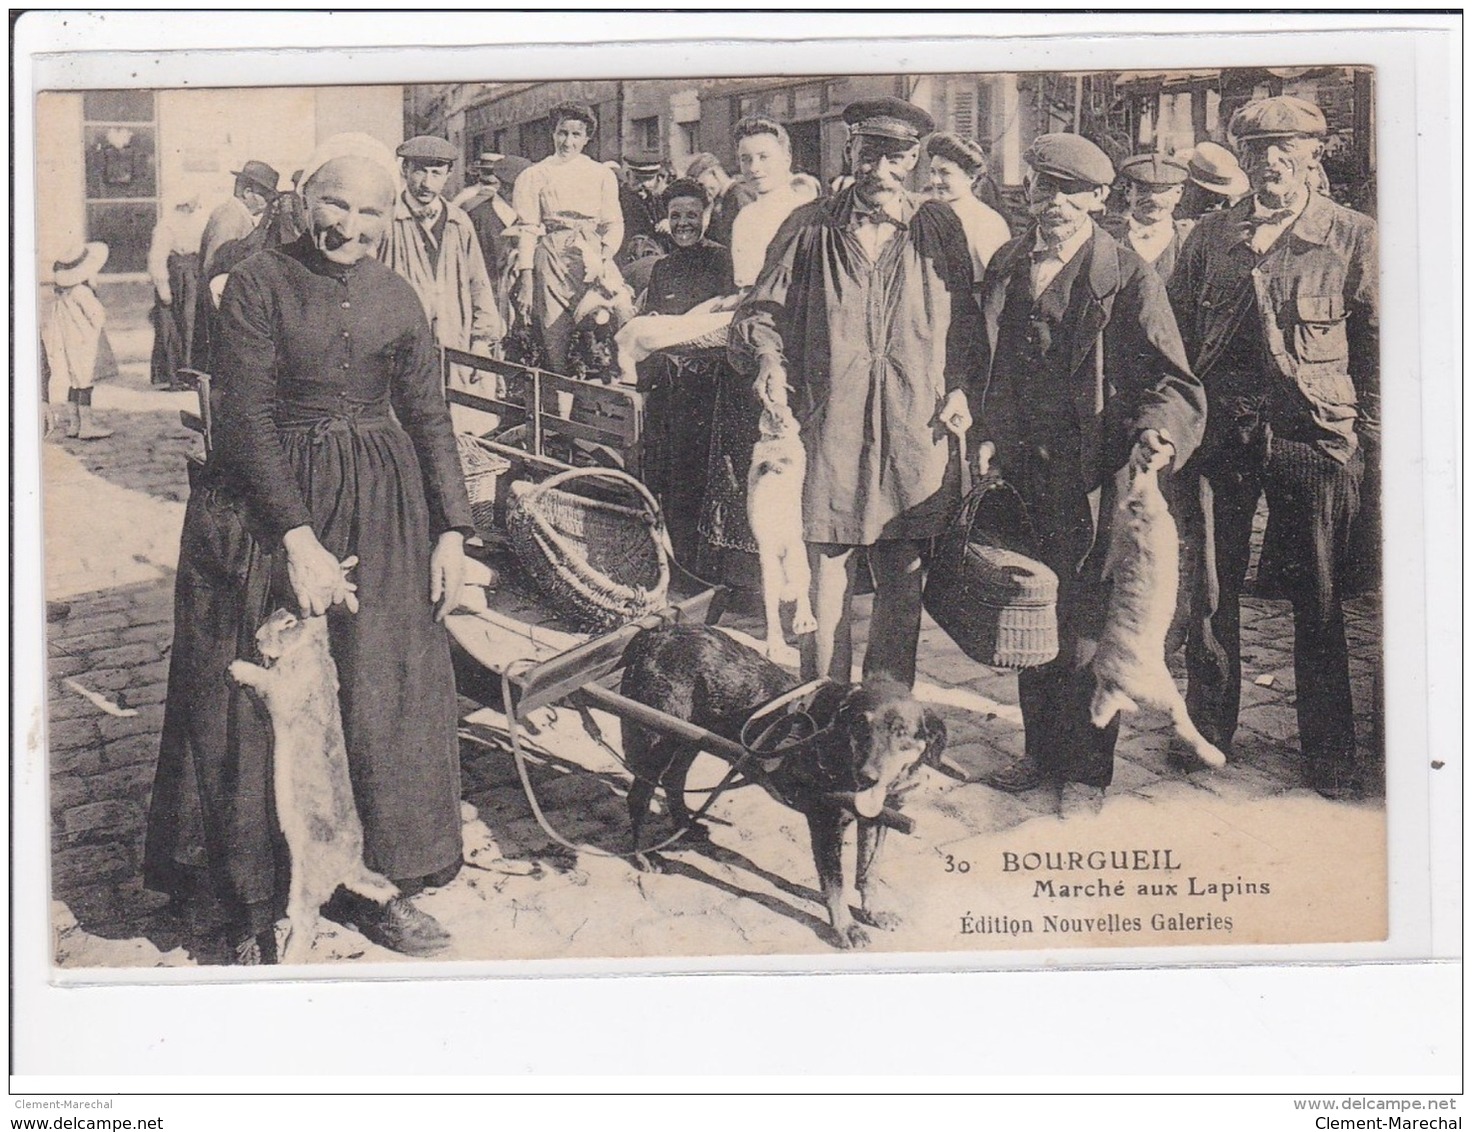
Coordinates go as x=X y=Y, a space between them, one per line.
x=351 y=145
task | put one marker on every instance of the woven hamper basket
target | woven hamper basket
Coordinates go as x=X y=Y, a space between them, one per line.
x=482 y=469
x=602 y=563
x=985 y=588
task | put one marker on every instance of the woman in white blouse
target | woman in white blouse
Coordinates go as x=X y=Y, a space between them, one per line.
x=573 y=226
x=765 y=154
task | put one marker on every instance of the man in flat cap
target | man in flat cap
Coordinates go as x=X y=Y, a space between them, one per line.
x=1150 y=229
x=1085 y=376
x=864 y=309
x=1277 y=298
x=433 y=245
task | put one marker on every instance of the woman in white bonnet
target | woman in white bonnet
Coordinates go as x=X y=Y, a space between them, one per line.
x=333 y=440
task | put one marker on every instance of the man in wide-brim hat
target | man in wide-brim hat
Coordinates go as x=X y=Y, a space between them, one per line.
x=1278 y=303
x=1086 y=375
x=877 y=381
x=1216 y=181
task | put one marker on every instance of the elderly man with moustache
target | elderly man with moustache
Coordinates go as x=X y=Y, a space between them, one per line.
x=864 y=307
x=333 y=441
x=1085 y=374
x=1277 y=298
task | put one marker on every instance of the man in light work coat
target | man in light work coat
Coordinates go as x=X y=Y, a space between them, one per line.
x=1086 y=373
x=865 y=306
x=433 y=245
x=1277 y=298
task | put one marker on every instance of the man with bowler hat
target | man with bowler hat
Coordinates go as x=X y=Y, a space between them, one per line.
x=1216 y=181
x=1085 y=375
x=1277 y=298
x=864 y=308
x=234 y=220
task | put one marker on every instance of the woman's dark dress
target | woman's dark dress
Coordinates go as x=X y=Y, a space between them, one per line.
x=681 y=387
x=330 y=414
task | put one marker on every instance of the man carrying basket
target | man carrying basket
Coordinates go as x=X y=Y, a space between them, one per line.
x=865 y=305
x=1086 y=372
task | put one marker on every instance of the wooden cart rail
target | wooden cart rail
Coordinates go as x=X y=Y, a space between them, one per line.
x=609 y=416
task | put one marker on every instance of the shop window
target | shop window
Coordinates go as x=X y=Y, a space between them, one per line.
x=120 y=165
x=645 y=134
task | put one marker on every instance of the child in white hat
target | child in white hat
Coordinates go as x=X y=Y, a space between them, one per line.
x=74 y=337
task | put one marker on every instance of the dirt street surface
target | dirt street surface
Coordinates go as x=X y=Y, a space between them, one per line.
x=113 y=511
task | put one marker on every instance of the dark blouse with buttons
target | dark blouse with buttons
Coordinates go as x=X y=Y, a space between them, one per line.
x=302 y=338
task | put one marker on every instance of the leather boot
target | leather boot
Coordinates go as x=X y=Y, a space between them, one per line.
x=1016 y=777
x=87 y=428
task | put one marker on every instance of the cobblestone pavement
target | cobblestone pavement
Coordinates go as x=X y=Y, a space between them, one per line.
x=113 y=511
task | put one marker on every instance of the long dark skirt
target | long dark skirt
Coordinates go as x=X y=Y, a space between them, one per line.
x=366 y=496
x=681 y=391
x=728 y=551
x=173 y=325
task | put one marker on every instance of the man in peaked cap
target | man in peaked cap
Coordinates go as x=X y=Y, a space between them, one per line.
x=1086 y=375
x=433 y=245
x=1155 y=184
x=639 y=196
x=491 y=213
x=1277 y=298
x=877 y=381
x=484 y=184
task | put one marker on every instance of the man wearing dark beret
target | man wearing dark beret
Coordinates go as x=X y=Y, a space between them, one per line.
x=1086 y=375
x=1277 y=298
x=1150 y=230
x=864 y=306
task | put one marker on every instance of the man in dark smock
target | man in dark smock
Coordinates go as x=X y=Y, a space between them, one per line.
x=865 y=303
x=1086 y=372
x=333 y=441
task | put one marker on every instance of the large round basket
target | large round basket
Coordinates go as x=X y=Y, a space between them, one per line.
x=986 y=589
x=602 y=563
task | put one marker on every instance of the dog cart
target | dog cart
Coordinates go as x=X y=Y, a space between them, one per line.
x=562 y=437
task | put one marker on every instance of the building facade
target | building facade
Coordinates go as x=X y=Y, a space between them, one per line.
x=109 y=161
x=1124 y=112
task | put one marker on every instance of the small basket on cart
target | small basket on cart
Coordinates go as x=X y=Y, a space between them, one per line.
x=985 y=586
x=604 y=563
x=483 y=470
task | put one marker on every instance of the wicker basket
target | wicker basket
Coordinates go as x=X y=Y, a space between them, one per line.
x=603 y=563
x=985 y=588
x=482 y=469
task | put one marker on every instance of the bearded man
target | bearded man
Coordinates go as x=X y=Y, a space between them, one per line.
x=864 y=305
